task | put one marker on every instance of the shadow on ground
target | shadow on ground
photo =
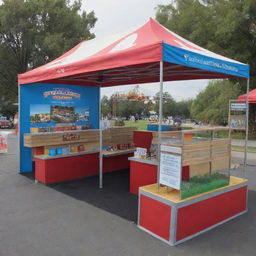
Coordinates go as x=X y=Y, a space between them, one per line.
x=114 y=197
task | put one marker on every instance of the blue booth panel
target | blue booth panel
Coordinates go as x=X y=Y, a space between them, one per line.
x=41 y=99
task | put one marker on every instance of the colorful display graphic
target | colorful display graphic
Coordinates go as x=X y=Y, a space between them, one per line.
x=40 y=113
x=58 y=114
x=63 y=114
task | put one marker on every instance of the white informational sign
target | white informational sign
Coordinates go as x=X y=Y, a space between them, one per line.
x=237 y=106
x=170 y=170
x=3 y=141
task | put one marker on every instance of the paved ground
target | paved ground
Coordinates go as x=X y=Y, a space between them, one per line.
x=251 y=143
x=63 y=220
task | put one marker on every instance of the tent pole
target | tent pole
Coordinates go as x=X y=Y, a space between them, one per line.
x=19 y=114
x=100 y=144
x=160 y=121
x=247 y=126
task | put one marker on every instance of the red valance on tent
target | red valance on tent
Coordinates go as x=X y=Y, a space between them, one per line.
x=251 y=97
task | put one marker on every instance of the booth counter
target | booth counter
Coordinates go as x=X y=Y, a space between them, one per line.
x=68 y=155
x=78 y=165
x=196 y=192
x=163 y=215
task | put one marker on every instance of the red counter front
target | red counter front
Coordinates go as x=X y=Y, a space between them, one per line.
x=174 y=221
x=78 y=166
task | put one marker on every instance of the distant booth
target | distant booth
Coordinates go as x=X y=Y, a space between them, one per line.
x=252 y=110
x=182 y=178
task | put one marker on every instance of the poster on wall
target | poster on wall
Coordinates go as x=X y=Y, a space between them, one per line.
x=43 y=113
x=40 y=113
x=170 y=170
x=237 y=122
x=237 y=115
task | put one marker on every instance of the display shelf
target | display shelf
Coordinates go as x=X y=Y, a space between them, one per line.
x=151 y=161
x=47 y=157
x=105 y=154
x=60 y=132
x=118 y=152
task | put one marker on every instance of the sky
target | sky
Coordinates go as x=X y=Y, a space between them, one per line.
x=119 y=17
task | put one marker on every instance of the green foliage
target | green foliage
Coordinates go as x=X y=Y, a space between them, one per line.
x=169 y=104
x=173 y=108
x=127 y=108
x=211 y=105
x=227 y=27
x=183 y=108
x=105 y=106
x=33 y=32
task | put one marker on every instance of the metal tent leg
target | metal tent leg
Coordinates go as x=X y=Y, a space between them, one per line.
x=247 y=127
x=100 y=145
x=160 y=120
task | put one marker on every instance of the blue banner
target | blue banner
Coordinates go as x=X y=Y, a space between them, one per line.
x=184 y=57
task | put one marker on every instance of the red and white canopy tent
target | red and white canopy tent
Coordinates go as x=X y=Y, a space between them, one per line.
x=149 y=54
x=251 y=97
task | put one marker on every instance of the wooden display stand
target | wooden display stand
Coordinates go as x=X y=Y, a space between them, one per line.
x=83 y=157
x=198 y=157
x=176 y=215
x=163 y=215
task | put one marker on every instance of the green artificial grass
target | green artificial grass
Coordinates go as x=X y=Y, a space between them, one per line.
x=141 y=124
x=203 y=183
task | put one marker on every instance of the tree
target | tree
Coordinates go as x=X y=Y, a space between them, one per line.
x=169 y=105
x=211 y=105
x=127 y=108
x=227 y=27
x=183 y=108
x=33 y=32
x=105 y=106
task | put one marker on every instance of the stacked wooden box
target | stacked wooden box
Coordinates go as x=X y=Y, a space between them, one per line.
x=165 y=136
x=58 y=138
x=205 y=156
x=118 y=135
x=87 y=140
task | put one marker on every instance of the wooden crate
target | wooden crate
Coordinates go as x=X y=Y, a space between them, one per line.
x=60 y=138
x=112 y=136
x=118 y=135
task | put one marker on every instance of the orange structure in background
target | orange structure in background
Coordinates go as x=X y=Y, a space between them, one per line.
x=16 y=123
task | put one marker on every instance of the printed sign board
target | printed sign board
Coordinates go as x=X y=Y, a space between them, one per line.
x=170 y=170
x=237 y=106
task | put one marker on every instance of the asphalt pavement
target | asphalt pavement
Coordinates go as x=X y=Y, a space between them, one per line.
x=76 y=218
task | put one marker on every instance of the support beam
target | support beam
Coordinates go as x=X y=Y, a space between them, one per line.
x=247 y=127
x=160 y=117
x=100 y=144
